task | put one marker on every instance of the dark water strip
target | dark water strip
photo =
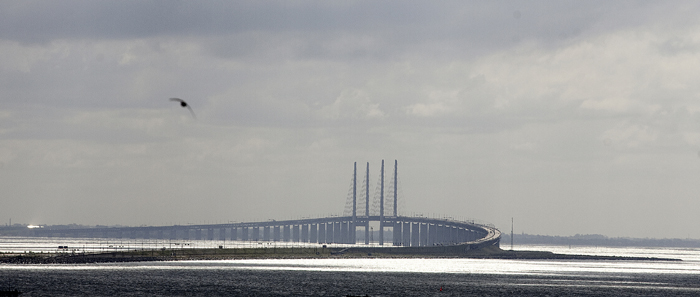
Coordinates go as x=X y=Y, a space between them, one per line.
x=243 y=282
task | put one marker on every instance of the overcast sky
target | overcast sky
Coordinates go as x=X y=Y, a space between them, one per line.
x=570 y=117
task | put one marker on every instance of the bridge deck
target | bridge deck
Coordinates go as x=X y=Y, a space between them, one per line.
x=407 y=231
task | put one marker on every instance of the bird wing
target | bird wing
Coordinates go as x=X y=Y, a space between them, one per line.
x=184 y=104
x=191 y=111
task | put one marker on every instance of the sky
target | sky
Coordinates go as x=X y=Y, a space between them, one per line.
x=568 y=117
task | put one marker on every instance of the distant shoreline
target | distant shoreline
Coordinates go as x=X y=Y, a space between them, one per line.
x=295 y=253
x=599 y=240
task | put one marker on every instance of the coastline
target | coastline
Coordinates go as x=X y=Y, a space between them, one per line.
x=296 y=253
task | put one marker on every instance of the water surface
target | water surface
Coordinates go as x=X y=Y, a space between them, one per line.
x=373 y=277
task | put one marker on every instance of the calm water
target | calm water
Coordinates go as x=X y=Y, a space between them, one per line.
x=373 y=277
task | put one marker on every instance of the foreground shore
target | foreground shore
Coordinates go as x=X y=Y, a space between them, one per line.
x=291 y=253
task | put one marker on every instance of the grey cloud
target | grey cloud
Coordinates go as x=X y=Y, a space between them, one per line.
x=678 y=46
x=478 y=24
x=41 y=21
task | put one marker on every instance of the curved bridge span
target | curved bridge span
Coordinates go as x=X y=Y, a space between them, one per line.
x=406 y=231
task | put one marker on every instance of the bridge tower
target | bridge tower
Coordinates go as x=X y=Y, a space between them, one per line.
x=396 y=166
x=354 y=192
x=381 y=208
x=367 y=204
x=353 y=224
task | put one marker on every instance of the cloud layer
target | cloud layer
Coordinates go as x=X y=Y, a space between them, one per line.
x=571 y=117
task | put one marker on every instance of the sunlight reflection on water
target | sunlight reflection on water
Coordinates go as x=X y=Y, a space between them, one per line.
x=689 y=265
x=370 y=276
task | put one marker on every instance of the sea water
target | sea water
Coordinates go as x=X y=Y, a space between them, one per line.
x=360 y=277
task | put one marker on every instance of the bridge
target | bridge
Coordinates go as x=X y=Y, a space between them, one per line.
x=407 y=231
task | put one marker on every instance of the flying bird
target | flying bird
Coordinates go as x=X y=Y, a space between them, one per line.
x=184 y=105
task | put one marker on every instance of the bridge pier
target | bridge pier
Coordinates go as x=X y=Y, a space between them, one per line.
x=381 y=232
x=432 y=234
x=322 y=233
x=352 y=233
x=266 y=233
x=367 y=231
x=406 y=234
x=276 y=233
x=337 y=233
x=329 y=232
x=438 y=234
x=396 y=230
x=446 y=234
x=287 y=233
x=344 y=232
x=415 y=235
x=423 y=235
x=313 y=233
x=256 y=234
x=244 y=234
x=295 y=233
x=304 y=233
x=234 y=233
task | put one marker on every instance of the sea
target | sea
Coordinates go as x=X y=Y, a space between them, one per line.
x=348 y=277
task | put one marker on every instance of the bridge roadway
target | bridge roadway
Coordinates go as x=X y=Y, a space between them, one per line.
x=407 y=231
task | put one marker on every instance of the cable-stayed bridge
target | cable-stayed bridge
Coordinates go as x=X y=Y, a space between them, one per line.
x=407 y=231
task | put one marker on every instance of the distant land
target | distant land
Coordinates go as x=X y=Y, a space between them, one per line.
x=489 y=252
x=596 y=240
